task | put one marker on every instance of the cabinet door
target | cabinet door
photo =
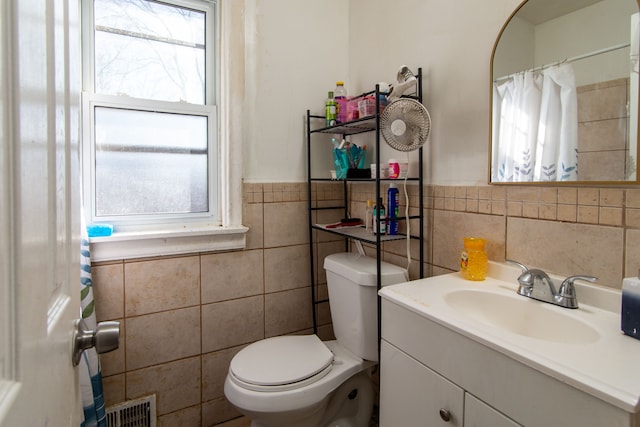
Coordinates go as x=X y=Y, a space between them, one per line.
x=413 y=395
x=479 y=414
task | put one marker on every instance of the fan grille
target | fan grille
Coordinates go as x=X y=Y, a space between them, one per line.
x=405 y=124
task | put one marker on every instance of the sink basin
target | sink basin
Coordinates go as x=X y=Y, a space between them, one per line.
x=521 y=315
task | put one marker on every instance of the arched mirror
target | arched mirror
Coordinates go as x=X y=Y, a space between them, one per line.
x=564 y=77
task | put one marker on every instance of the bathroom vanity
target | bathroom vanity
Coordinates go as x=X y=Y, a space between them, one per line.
x=461 y=353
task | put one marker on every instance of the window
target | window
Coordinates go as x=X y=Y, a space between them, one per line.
x=150 y=117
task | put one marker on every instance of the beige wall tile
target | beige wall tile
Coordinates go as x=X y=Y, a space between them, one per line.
x=530 y=210
x=588 y=196
x=602 y=103
x=162 y=337
x=176 y=384
x=603 y=165
x=232 y=323
x=188 y=417
x=113 y=389
x=548 y=195
x=450 y=227
x=588 y=214
x=632 y=218
x=287 y=312
x=602 y=135
x=567 y=249
x=568 y=213
x=548 y=211
x=232 y=275
x=215 y=367
x=633 y=198
x=568 y=196
x=285 y=224
x=613 y=197
x=254 y=219
x=217 y=411
x=108 y=291
x=162 y=284
x=286 y=268
x=610 y=216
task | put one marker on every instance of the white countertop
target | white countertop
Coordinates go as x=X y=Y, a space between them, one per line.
x=608 y=367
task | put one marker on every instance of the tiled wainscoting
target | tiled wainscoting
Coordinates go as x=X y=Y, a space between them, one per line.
x=184 y=317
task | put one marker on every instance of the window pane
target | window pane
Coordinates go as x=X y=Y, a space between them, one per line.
x=150 y=163
x=149 y=50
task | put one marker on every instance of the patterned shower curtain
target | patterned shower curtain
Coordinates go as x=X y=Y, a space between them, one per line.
x=535 y=127
x=90 y=373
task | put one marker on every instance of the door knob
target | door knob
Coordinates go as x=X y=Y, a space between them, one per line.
x=105 y=338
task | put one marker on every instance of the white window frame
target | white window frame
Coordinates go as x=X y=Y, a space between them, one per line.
x=223 y=230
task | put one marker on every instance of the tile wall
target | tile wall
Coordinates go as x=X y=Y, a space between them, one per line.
x=184 y=317
x=603 y=131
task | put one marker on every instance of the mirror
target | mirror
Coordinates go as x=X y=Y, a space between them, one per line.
x=564 y=102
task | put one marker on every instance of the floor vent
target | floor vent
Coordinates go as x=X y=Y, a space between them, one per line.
x=133 y=413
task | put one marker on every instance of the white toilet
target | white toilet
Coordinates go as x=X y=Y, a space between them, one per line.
x=300 y=381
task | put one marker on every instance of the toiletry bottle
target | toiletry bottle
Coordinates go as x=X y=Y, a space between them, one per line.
x=369 y=216
x=379 y=216
x=330 y=110
x=473 y=259
x=340 y=96
x=392 y=204
x=394 y=169
x=630 y=312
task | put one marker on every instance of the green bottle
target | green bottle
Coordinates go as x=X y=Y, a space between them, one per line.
x=330 y=110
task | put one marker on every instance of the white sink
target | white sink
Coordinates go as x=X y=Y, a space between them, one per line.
x=581 y=347
x=521 y=315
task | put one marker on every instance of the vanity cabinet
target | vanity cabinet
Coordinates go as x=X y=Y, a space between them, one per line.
x=427 y=366
x=414 y=395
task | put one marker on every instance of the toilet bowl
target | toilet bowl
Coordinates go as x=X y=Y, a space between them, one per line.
x=282 y=391
x=301 y=381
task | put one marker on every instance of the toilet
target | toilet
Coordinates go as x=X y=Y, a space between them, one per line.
x=301 y=381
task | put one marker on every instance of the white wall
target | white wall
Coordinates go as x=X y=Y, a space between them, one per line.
x=299 y=48
x=296 y=51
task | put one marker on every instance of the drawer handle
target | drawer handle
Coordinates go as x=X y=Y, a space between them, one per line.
x=445 y=415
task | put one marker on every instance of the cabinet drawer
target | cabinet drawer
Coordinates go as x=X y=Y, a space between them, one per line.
x=413 y=395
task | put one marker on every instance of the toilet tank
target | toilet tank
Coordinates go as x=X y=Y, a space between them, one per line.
x=352 y=284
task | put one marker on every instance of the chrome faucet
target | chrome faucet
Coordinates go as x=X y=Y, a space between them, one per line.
x=536 y=284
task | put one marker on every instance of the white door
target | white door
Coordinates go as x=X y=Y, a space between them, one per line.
x=39 y=212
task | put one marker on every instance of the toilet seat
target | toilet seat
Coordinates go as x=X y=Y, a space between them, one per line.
x=281 y=363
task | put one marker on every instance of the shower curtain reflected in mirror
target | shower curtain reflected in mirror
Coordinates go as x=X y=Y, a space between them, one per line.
x=535 y=126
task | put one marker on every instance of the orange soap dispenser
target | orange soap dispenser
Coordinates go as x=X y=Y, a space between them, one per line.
x=473 y=259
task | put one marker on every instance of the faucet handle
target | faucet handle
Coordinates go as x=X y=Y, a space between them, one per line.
x=567 y=292
x=525 y=280
x=523 y=267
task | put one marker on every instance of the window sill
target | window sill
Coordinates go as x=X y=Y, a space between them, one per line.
x=128 y=245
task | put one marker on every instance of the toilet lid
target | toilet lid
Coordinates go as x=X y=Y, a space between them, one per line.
x=281 y=360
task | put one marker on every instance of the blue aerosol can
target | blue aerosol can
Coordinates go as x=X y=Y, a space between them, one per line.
x=392 y=205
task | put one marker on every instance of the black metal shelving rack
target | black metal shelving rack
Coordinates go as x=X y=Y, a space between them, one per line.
x=361 y=125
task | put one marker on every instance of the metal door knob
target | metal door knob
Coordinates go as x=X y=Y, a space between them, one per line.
x=445 y=415
x=105 y=338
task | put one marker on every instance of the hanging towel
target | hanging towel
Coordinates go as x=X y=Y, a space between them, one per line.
x=90 y=373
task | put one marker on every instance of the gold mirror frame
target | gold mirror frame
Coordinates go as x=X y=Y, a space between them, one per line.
x=547 y=183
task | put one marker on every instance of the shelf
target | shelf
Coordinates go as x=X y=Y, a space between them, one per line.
x=359 y=233
x=390 y=180
x=362 y=125
x=316 y=125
